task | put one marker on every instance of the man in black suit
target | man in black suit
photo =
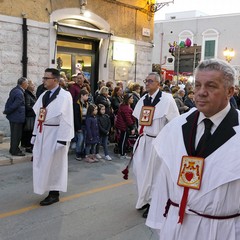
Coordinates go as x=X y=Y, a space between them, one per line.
x=196 y=194
x=15 y=111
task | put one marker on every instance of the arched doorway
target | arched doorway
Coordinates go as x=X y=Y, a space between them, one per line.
x=76 y=41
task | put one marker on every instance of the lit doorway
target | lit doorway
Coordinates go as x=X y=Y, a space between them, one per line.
x=74 y=53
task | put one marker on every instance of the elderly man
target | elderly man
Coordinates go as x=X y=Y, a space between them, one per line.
x=153 y=111
x=197 y=191
x=52 y=134
x=15 y=111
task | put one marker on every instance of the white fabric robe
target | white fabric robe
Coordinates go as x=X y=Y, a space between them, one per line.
x=219 y=193
x=50 y=159
x=143 y=168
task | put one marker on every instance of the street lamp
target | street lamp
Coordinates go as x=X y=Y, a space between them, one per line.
x=228 y=54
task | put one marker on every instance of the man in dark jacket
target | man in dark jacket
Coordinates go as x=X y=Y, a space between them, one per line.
x=15 y=111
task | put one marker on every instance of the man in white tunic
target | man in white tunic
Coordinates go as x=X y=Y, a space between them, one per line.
x=162 y=109
x=52 y=134
x=200 y=201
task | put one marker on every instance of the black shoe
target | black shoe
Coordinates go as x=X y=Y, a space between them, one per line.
x=19 y=154
x=49 y=200
x=145 y=214
x=144 y=206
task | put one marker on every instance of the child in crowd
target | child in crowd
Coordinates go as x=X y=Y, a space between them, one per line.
x=80 y=112
x=125 y=123
x=92 y=133
x=104 y=125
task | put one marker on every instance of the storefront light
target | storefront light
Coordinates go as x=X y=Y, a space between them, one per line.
x=123 y=51
x=87 y=14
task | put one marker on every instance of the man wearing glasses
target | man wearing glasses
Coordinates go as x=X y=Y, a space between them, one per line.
x=153 y=111
x=53 y=131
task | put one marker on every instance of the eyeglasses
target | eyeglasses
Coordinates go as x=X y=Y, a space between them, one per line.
x=46 y=78
x=150 y=81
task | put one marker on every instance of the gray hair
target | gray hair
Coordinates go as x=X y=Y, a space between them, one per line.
x=157 y=76
x=181 y=91
x=21 y=80
x=103 y=89
x=229 y=74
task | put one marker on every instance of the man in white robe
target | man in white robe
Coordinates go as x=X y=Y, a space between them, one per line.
x=165 y=110
x=213 y=211
x=52 y=134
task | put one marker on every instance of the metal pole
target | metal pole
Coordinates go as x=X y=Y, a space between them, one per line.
x=178 y=65
x=135 y=77
x=161 y=48
x=24 y=50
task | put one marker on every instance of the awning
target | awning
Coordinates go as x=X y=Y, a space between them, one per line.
x=67 y=29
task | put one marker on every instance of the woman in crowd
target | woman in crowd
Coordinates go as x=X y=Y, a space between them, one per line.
x=103 y=98
x=135 y=89
x=116 y=99
x=189 y=100
x=109 y=84
x=30 y=100
x=100 y=84
x=87 y=87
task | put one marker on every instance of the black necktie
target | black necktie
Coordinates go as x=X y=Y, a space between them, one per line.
x=205 y=137
x=47 y=97
x=149 y=100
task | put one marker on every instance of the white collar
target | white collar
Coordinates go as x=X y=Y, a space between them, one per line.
x=154 y=95
x=217 y=118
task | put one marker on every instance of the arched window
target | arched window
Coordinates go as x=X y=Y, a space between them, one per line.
x=209 y=44
x=184 y=35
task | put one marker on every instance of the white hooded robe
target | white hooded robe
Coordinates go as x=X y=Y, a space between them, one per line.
x=50 y=159
x=219 y=194
x=165 y=110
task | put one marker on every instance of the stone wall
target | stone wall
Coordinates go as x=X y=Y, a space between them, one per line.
x=142 y=68
x=11 y=56
x=125 y=22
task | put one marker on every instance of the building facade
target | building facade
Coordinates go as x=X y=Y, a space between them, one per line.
x=108 y=39
x=209 y=35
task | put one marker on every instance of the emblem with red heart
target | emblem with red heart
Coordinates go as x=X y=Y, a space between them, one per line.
x=189 y=176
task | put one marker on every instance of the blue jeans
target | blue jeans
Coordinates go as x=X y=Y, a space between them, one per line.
x=80 y=142
x=103 y=141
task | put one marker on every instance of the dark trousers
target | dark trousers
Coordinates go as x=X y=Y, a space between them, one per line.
x=122 y=144
x=26 y=138
x=16 y=135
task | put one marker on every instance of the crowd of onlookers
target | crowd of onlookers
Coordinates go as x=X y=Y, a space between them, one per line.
x=105 y=115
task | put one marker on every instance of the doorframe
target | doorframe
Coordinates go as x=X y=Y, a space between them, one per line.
x=60 y=14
